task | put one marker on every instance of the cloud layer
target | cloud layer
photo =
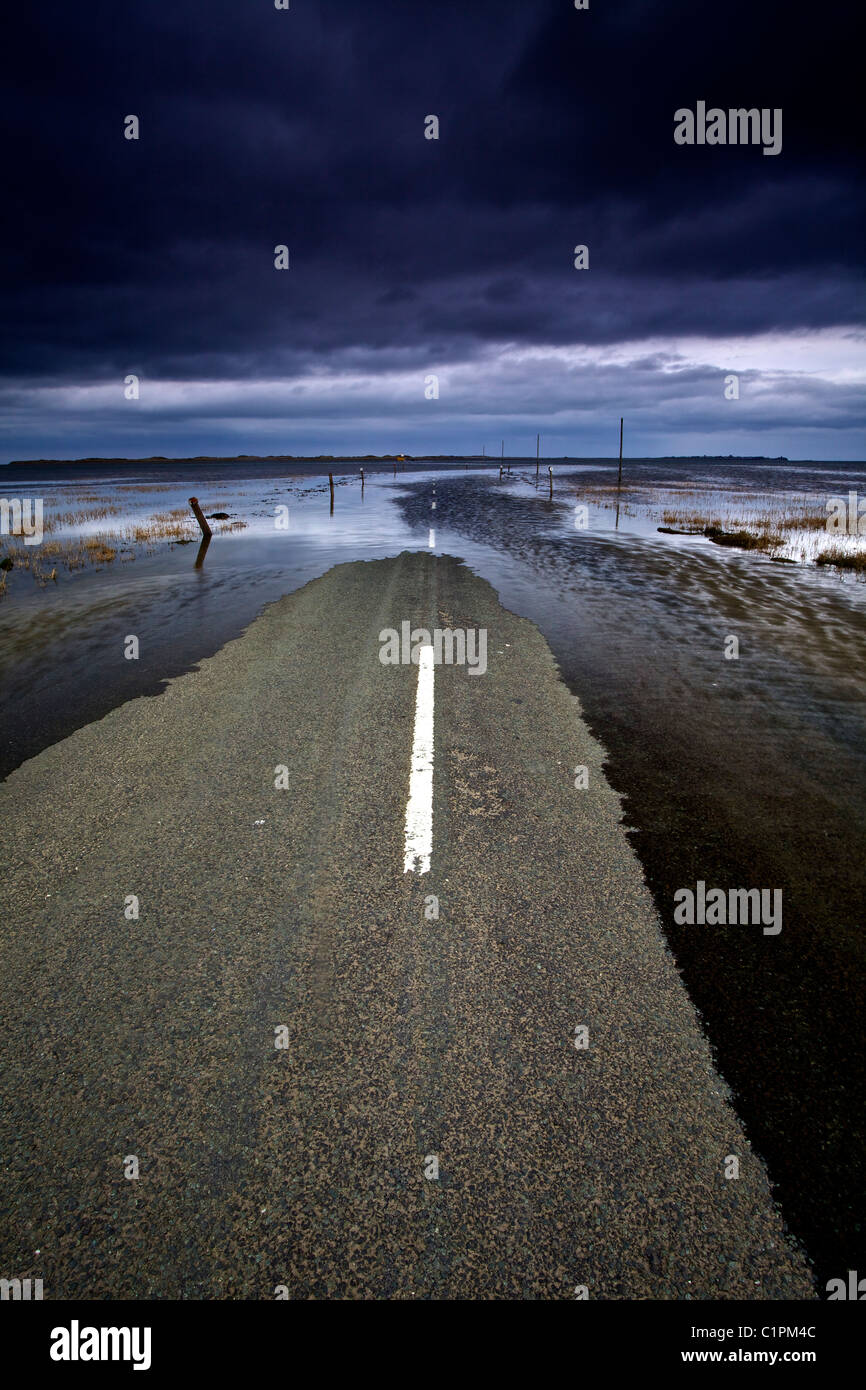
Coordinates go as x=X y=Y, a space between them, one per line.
x=412 y=257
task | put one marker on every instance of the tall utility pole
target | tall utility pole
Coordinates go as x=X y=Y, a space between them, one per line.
x=619 y=478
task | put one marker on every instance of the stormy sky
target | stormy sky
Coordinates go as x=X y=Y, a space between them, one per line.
x=412 y=258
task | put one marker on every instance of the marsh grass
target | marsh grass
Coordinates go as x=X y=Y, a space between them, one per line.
x=62 y=521
x=781 y=527
x=161 y=527
x=145 y=487
x=176 y=514
x=744 y=540
x=73 y=553
x=65 y=547
x=67 y=520
x=843 y=559
x=759 y=515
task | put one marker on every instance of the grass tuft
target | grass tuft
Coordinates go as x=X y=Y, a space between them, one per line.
x=843 y=559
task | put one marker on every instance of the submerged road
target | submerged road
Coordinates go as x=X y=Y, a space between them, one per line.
x=477 y=1077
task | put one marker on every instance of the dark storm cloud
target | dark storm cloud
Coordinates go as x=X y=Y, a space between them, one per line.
x=305 y=127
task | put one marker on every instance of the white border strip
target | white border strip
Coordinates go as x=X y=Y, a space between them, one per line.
x=419 y=807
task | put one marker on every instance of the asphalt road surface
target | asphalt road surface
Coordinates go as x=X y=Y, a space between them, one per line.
x=329 y=1090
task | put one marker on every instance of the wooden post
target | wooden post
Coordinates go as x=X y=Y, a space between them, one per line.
x=537 y=454
x=200 y=518
x=619 y=477
x=550 y=471
x=331 y=481
x=362 y=480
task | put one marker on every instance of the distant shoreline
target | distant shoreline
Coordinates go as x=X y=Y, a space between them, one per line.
x=486 y=459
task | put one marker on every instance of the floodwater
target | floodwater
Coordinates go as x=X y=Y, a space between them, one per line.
x=746 y=772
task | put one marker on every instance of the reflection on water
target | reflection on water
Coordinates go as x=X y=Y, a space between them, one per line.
x=746 y=773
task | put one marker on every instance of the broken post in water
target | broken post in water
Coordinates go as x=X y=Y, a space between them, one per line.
x=200 y=518
x=619 y=477
x=331 y=481
x=537 y=454
x=550 y=471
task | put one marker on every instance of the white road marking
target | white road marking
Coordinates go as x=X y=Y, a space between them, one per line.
x=419 y=807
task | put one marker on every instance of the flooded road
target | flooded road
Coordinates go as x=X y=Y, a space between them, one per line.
x=746 y=772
